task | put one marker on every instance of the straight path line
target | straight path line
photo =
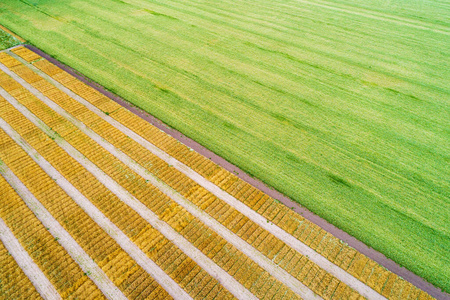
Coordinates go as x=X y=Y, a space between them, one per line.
x=25 y=262
x=278 y=232
x=64 y=238
x=225 y=279
x=290 y=281
x=125 y=243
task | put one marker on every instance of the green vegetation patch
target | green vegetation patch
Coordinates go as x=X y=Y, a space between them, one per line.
x=7 y=40
x=341 y=105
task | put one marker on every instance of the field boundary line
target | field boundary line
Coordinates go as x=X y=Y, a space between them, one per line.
x=20 y=39
x=112 y=230
x=278 y=232
x=225 y=279
x=20 y=255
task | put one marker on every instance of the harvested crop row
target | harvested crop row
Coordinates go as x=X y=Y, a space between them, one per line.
x=105 y=252
x=174 y=178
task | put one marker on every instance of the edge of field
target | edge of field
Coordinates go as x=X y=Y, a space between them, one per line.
x=340 y=234
x=9 y=39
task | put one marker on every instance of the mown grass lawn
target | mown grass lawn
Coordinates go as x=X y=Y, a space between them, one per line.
x=341 y=105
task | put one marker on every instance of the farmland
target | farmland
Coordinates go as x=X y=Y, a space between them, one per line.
x=98 y=203
x=343 y=106
x=6 y=40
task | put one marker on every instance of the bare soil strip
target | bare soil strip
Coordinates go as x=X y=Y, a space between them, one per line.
x=148 y=265
x=25 y=262
x=321 y=261
x=203 y=261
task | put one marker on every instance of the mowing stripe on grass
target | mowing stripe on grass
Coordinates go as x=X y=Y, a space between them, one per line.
x=148 y=265
x=203 y=261
x=281 y=234
x=25 y=262
x=267 y=264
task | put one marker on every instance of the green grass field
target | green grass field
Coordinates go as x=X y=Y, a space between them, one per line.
x=7 y=40
x=341 y=105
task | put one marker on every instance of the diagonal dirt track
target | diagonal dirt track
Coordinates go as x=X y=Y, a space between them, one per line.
x=211 y=235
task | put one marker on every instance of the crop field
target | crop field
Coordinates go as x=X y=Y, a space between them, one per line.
x=341 y=105
x=7 y=40
x=98 y=203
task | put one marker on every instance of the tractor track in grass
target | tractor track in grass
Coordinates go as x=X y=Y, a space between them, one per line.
x=210 y=233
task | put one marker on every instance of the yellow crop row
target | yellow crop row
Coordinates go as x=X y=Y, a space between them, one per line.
x=9 y=84
x=27 y=74
x=83 y=229
x=47 y=67
x=52 y=259
x=26 y=54
x=34 y=106
x=8 y=60
x=14 y=284
x=63 y=77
